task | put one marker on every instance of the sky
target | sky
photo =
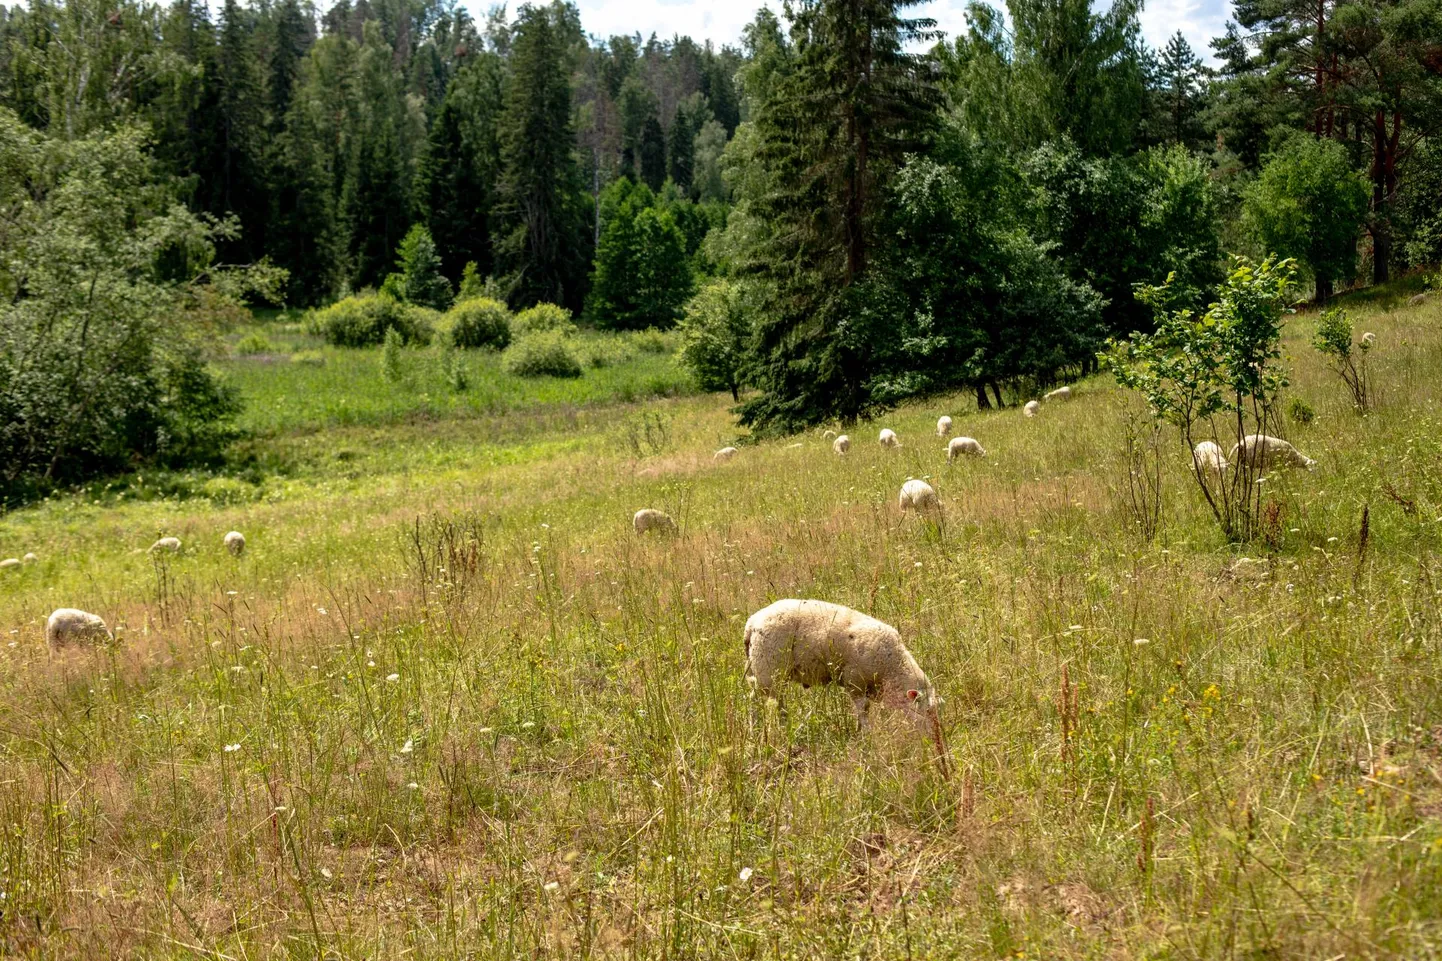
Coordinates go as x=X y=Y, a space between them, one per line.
x=721 y=20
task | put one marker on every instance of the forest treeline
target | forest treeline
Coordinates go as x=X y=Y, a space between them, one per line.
x=846 y=210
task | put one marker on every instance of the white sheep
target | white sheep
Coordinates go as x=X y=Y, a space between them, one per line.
x=969 y=446
x=816 y=643
x=1031 y=409
x=887 y=439
x=1061 y=393
x=29 y=558
x=1369 y=340
x=828 y=435
x=171 y=544
x=649 y=519
x=9 y=562
x=919 y=496
x=67 y=625
x=235 y=543
x=1262 y=451
x=943 y=426
x=725 y=453
x=841 y=444
x=1207 y=456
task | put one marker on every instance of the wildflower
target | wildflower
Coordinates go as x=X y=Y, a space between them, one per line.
x=413 y=786
x=551 y=886
x=408 y=747
x=392 y=678
x=325 y=873
x=232 y=748
x=745 y=874
x=1213 y=692
x=1142 y=640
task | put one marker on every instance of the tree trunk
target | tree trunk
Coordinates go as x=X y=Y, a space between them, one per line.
x=735 y=394
x=1001 y=404
x=1324 y=290
x=981 y=402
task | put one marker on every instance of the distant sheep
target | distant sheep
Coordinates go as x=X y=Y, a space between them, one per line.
x=725 y=453
x=887 y=439
x=968 y=446
x=919 y=496
x=9 y=562
x=30 y=558
x=828 y=435
x=1061 y=393
x=1261 y=451
x=943 y=426
x=68 y=625
x=1416 y=300
x=841 y=444
x=648 y=519
x=171 y=544
x=1207 y=457
x=1369 y=340
x=235 y=543
x=1031 y=409
x=818 y=643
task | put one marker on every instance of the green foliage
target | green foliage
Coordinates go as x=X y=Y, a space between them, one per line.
x=1197 y=371
x=1308 y=204
x=643 y=276
x=545 y=353
x=715 y=334
x=1300 y=412
x=479 y=322
x=1333 y=338
x=252 y=344
x=308 y=358
x=543 y=317
x=391 y=364
x=706 y=179
x=472 y=283
x=420 y=280
x=362 y=321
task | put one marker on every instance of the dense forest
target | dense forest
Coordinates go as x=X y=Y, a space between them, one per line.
x=849 y=210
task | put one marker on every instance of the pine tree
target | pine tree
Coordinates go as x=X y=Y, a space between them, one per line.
x=542 y=243
x=643 y=277
x=651 y=154
x=419 y=265
x=237 y=181
x=1181 y=75
x=681 y=148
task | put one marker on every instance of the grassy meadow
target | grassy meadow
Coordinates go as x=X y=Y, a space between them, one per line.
x=449 y=705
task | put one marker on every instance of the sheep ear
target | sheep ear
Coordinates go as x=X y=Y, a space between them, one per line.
x=912 y=695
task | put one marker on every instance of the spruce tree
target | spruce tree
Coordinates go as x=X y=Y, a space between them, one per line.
x=643 y=276
x=681 y=148
x=421 y=281
x=237 y=182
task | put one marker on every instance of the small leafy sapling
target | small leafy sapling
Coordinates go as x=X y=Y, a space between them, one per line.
x=1346 y=358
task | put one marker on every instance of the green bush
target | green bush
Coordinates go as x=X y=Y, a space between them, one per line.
x=308 y=358
x=650 y=342
x=252 y=344
x=479 y=322
x=391 y=356
x=543 y=354
x=542 y=317
x=1301 y=412
x=362 y=321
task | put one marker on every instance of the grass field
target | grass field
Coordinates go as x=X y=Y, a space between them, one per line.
x=449 y=705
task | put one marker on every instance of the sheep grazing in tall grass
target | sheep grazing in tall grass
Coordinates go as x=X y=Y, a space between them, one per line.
x=9 y=562
x=1369 y=340
x=725 y=453
x=171 y=544
x=1031 y=409
x=841 y=444
x=235 y=543
x=887 y=439
x=919 y=496
x=1261 y=451
x=1208 y=458
x=29 y=558
x=1061 y=393
x=964 y=446
x=943 y=426
x=650 y=519
x=817 y=643
x=828 y=435
x=67 y=625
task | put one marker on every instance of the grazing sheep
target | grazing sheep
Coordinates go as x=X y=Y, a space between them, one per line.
x=887 y=438
x=68 y=625
x=1262 y=451
x=964 y=445
x=1207 y=456
x=649 y=519
x=725 y=453
x=29 y=558
x=1031 y=409
x=943 y=426
x=828 y=435
x=918 y=495
x=841 y=444
x=816 y=642
x=9 y=562
x=1369 y=340
x=1061 y=393
x=171 y=544
x=1416 y=300
x=235 y=543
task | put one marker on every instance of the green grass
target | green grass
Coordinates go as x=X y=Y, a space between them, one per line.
x=469 y=713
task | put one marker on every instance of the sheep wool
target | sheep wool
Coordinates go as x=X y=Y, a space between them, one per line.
x=918 y=495
x=171 y=544
x=725 y=453
x=30 y=558
x=235 y=543
x=841 y=444
x=817 y=642
x=887 y=439
x=943 y=426
x=9 y=562
x=1061 y=393
x=968 y=446
x=1031 y=409
x=68 y=625
x=649 y=519
x=1261 y=451
x=1369 y=340
x=1207 y=456
x=828 y=435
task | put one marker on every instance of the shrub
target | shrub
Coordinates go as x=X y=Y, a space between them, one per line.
x=1333 y=338
x=479 y=322
x=391 y=356
x=252 y=344
x=542 y=317
x=308 y=358
x=714 y=334
x=1301 y=412
x=543 y=354
x=649 y=342
x=362 y=321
